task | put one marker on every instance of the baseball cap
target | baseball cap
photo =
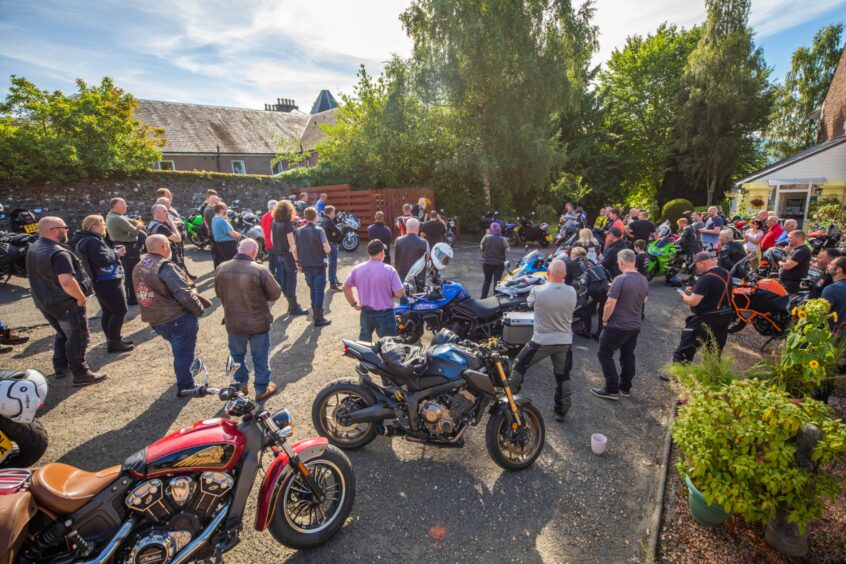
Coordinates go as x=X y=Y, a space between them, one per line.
x=615 y=231
x=375 y=247
x=701 y=256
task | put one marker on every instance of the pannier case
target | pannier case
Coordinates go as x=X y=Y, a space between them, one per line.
x=518 y=327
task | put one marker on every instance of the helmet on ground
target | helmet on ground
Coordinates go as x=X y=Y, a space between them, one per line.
x=21 y=394
x=441 y=255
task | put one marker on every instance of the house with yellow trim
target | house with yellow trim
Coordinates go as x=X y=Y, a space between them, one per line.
x=791 y=186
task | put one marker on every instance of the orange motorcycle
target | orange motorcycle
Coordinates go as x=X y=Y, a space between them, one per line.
x=763 y=303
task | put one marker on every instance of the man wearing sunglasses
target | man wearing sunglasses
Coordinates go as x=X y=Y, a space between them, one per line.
x=60 y=288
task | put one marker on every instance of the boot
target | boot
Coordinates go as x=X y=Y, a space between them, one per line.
x=8 y=337
x=271 y=389
x=88 y=378
x=319 y=320
x=294 y=308
x=5 y=349
x=119 y=346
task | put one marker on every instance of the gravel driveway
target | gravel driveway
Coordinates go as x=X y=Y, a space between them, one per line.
x=413 y=502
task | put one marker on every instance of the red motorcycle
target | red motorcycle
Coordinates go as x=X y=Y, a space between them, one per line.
x=183 y=497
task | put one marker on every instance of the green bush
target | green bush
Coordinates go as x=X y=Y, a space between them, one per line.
x=674 y=209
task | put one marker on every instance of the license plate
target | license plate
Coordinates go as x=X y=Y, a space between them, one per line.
x=31 y=228
x=5 y=447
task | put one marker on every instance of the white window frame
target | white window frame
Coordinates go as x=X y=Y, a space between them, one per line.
x=243 y=165
x=281 y=167
x=172 y=165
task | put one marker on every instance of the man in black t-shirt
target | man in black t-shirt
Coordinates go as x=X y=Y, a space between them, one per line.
x=641 y=228
x=614 y=243
x=731 y=251
x=434 y=229
x=798 y=261
x=710 y=302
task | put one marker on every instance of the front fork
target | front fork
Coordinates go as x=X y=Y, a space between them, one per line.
x=279 y=445
x=511 y=403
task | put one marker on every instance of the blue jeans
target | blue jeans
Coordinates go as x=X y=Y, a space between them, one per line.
x=316 y=280
x=2 y=326
x=286 y=275
x=181 y=333
x=259 y=351
x=333 y=263
x=383 y=322
x=273 y=264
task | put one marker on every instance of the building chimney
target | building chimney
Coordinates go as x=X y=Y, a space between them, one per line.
x=285 y=105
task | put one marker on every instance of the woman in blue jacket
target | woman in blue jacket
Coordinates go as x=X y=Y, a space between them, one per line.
x=103 y=265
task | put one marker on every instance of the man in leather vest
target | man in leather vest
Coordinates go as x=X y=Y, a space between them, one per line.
x=312 y=251
x=245 y=289
x=54 y=277
x=124 y=231
x=170 y=304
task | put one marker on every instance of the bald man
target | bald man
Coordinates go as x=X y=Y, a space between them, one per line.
x=553 y=303
x=246 y=290
x=409 y=248
x=60 y=287
x=170 y=303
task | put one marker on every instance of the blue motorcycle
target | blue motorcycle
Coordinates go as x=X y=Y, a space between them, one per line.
x=448 y=305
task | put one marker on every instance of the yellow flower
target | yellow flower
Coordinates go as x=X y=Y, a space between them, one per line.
x=834 y=316
x=794 y=311
x=802 y=314
x=814 y=364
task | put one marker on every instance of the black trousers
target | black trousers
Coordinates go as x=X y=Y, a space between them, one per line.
x=695 y=333
x=562 y=363
x=592 y=308
x=179 y=255
x=224 y=251
x=625 y=341
x=792 y=286
x=129 y=261
x=71 y=340
x=493 y=272
x=113 y=305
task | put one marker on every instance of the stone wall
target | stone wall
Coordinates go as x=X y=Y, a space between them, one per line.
x=74 y=200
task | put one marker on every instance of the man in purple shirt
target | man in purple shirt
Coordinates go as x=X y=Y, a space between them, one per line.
x=377 y=284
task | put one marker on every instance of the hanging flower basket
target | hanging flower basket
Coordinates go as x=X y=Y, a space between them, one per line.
x=757 y=202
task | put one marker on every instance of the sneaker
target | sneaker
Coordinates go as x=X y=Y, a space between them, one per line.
x=180 y=396
x=271 y=389
x=88 y=378
x=336 y=287
x=126 y=341
x=559 y=415
x=12 y=338
x=119 y=347
x=604 y=394
x=625 y=393
x=5 y=349
x=583 y=334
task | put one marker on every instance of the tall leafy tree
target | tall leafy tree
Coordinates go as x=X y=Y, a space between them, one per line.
x=503 y=68
x=793 y=124
x=727 y=98
x=48 y=135
x=640 y=91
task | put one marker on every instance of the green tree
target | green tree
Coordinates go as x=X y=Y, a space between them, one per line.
x=46 y=135
x=640 y=91
x=503 y=69
x=727 y=98
x=793 y=124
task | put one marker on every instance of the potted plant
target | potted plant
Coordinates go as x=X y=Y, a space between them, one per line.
x=757 y=202
x=738 y=450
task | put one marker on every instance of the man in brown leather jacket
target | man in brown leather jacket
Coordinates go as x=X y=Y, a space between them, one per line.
x=170 y=303
x=246 y=289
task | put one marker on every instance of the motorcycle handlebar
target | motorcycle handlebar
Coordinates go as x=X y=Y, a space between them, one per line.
x=198 y=392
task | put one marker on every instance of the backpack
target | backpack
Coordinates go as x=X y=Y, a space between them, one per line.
x=594 y=282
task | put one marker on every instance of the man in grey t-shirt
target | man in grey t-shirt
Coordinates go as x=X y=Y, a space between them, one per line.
x=553 y=303
x=623 y=316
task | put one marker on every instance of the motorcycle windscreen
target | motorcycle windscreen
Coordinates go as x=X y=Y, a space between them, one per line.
x=415 y=271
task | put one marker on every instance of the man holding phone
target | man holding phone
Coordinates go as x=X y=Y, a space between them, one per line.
x=710 y=302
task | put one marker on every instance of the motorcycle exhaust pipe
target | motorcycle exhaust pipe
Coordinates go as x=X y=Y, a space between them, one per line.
x=370 y=414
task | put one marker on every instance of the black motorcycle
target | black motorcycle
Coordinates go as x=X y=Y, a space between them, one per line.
x=13 y=249
x=431 y=395
x=824 y=239
x=527 y=232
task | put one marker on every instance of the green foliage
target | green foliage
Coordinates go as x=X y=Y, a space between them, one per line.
x=640 y=91
x=712 y=373
x=727 y=99
x=809 y=355
x=290 y=154
x=793 y=125
x=51 y=136
x=674 y=209
x=829 y=210
x=738 y=440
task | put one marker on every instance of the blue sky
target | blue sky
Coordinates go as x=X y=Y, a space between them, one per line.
x=254 y=51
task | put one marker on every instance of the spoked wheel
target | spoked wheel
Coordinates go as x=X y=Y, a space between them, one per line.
x=409 y=331
x=350 y=241
x=301 y=519
x=515 y=449
x=333 y=403
x=737 y=324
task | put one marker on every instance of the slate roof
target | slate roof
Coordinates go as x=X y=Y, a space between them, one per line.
x=792 y=159
x=325 y=101
x=192 y=128
x=312 y=134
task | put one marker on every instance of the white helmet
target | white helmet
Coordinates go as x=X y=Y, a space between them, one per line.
x=441 y=255
x=21 y=394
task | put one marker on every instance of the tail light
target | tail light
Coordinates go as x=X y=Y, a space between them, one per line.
x=346 y=350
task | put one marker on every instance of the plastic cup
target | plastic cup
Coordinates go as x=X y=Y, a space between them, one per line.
x=598 y=442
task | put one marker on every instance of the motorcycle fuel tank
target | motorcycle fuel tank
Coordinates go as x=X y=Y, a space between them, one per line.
x=213 y=444
x=450 y=361
x=450 y=291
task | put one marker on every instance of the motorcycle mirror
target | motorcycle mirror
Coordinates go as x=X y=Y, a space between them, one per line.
x=231 y=366
x=197 y=366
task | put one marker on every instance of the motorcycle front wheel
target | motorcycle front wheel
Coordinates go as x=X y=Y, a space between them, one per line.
x=300 y=520
x=350 y=241
x=197 y=241
x=336 y=400
x=29 y=442
x=517 y=449
x=450 y=239
x=513 y=239
x=409 y=331
x=261 y=256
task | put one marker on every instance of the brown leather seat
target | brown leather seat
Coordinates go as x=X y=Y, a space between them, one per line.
x=15 y=512
x=63 y=489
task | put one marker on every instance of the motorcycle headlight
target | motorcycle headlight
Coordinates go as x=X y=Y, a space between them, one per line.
x=282 y=418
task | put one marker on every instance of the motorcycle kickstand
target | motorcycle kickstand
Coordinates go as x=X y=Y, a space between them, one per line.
x=768 y=341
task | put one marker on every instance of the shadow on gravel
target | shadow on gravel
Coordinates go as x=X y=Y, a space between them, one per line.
x=293 y=362
x=112 y=447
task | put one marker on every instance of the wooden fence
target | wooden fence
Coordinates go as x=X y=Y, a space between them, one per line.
x=365 y=203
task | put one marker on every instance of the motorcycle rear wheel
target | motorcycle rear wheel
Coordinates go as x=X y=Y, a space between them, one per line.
x=299 y=520
x=337 y=398
x=30 y=440
x=507 y=453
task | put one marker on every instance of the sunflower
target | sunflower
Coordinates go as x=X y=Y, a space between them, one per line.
x=802 y=314
x=834 y=316
x=814 y=364
x=794 y=311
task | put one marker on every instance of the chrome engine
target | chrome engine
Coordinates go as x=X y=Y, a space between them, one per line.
x=179 y=511
x=442 y=416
